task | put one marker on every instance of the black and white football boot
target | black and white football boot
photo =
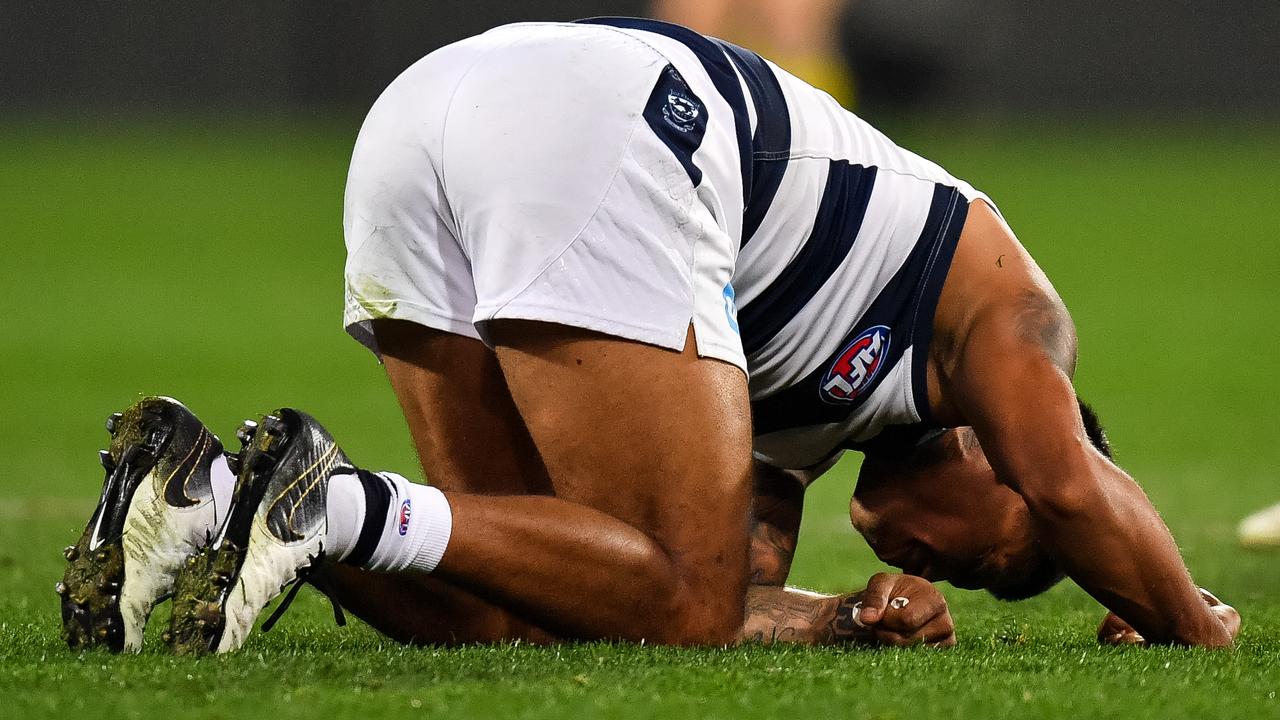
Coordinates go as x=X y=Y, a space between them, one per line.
x=157 y=507
x=274 y=535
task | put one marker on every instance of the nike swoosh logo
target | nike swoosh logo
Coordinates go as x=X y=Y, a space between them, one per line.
x=175 y=486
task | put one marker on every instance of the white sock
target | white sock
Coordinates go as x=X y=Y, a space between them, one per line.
x=384 y=522
x=345 y=507
x=223 y=483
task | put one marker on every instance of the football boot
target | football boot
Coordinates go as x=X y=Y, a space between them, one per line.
x=156 y=509
x=1261 y=529
x=274 y=534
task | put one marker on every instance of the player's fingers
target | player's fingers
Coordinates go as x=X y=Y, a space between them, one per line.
x=890 y=638
x=938 y=632
x=908 y=614
x=875 y=598
x=947 y=642
x=1229 y=617
x=1115 y=631
x=1122 y=637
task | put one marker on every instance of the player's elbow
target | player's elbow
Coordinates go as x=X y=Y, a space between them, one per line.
x=1067 y=489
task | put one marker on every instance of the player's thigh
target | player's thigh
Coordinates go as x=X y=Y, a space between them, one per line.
x=467 y=431
x=657 y=438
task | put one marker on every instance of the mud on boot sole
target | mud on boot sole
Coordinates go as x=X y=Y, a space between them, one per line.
x=199 y=597
x=205 y=581
x=90 y=587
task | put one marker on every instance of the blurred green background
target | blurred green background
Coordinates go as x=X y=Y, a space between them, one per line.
x=204 y=261
x=149 y=247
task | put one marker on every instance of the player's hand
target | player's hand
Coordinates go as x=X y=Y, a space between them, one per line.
x=903 y=610
x=1114 y=631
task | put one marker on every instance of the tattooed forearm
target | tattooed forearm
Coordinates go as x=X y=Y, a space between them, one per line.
x=1043 y=320
x=776 y=614
x=843 y=626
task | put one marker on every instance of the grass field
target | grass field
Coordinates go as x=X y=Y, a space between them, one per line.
x=206 y=263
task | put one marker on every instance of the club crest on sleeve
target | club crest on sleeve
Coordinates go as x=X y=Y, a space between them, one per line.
x=856 y=366
x=406 y=512
x=681 y=111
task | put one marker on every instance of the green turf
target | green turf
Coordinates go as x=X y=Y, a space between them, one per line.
x=205 y=262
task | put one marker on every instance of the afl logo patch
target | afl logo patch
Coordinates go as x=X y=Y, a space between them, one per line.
x=406 y=512
x=856 y=367
x=681 y=111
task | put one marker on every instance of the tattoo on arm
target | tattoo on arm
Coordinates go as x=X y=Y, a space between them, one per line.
x=778 y=505
x=843 y=628
x=776 y=614
x=1043 y=321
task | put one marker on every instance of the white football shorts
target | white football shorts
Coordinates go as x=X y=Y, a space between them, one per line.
x=512 y=175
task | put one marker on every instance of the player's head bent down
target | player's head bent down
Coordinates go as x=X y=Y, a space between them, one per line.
x=940 y=513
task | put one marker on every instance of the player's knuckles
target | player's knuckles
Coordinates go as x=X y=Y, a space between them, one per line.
x=940 y=636
x=1121 y=637
x=1112 y=626
x=940 y=632
x=937 y=632
x=1229 y=617
x=924 y=606
x=913 y=616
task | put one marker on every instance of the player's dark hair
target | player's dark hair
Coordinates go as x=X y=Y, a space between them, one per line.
x=1040 y=571
x=1093 y=428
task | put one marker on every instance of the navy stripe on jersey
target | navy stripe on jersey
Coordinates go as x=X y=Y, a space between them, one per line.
x=679 y=119
x=718 y=68
x=954 y=211
x=906 y=305
x=835 y=227
x=771 y=144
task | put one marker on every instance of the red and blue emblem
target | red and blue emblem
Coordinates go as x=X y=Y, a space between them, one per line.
x=406 y=511
x=856 y=367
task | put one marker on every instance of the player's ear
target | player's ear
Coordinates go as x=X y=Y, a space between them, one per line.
x=864 y=521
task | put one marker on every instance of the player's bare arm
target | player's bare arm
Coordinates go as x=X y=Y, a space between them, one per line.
x=894 y=610
x=1003 y=367
x=775 y=525
x=1115 y=631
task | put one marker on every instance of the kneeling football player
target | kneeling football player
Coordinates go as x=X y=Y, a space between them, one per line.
x=603 y=262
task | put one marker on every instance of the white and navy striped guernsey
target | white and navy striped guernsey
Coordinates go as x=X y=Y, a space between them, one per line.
x=845 y=242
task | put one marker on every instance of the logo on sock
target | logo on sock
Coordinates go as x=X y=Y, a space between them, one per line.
x=406 y=511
